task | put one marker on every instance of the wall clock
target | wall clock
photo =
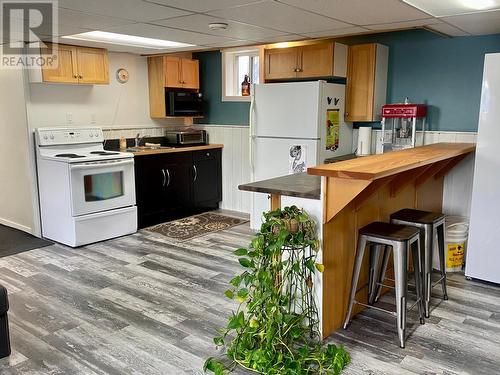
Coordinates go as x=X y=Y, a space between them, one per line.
x=122 y=75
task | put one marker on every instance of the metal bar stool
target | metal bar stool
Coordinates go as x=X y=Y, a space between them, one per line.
x=431 y=225
x=401 y=239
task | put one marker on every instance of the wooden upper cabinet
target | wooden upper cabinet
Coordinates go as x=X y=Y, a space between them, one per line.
x=306 y=61
x=281 y=63
x=181 y=73
x=316 y=60
x=366 y=82
x=92 y=65
x=190 y=74
x=167 y=72
x=66 y=70
x=77 y=65
x=173 y=71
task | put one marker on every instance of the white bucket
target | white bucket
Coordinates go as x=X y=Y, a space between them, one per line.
x=456 y=234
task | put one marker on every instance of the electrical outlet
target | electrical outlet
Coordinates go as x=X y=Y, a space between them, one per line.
x=69 y=118
x=93 y=118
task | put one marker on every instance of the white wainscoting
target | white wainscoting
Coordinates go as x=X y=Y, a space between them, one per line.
x=235 y=164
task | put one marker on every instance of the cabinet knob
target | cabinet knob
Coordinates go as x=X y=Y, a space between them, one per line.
x=208 y=153
x=80 y=76
x=75 y=76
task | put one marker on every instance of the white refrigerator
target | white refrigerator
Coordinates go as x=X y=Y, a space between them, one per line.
x=294 y=126
x=483 y=249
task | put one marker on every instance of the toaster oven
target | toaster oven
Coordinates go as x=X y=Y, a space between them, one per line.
x=187 y=137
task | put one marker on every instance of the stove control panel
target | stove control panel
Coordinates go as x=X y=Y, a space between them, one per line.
x=67 y=136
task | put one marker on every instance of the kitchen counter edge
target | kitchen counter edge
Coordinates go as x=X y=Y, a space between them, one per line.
x=177 y=149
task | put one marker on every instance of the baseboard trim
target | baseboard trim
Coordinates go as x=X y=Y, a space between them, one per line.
x=15 y=225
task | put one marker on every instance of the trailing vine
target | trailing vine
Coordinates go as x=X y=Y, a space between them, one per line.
x=275 y=329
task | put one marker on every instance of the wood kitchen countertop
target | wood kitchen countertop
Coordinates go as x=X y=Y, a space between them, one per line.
x=177 y=149
x=378 y=166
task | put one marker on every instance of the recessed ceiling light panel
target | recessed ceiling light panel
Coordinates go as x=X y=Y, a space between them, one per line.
x=443 y=8
x=127 y=40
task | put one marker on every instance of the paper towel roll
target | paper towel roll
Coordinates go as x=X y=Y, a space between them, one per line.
x=364 y=141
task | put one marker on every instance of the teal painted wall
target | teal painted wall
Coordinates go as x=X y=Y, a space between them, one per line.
x=217 y=111
x=445 y=73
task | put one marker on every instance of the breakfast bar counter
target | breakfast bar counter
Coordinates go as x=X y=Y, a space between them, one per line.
x=301 y=185
x=359 y=191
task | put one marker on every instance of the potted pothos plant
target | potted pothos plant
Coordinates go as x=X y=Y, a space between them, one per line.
x=275 y=329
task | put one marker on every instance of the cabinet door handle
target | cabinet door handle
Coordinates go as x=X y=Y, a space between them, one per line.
x=195 y=173
x=164 y=177
x=168 y=180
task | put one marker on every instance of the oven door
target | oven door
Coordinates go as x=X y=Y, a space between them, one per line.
x=102 y=185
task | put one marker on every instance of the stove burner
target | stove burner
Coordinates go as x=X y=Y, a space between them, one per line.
x=104 y=153
x=69 y=156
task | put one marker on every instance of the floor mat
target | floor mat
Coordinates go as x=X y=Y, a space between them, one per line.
x=195 y=226
x=14 y=241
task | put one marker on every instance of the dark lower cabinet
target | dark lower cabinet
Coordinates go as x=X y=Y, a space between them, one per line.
x=207 y=180
x=175 y=185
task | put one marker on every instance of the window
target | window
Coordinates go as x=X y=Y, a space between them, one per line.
x=236 y=63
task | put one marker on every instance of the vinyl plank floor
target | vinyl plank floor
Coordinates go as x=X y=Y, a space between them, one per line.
x=143 y=304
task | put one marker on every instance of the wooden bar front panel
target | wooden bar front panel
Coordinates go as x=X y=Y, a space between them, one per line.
x=375 y=203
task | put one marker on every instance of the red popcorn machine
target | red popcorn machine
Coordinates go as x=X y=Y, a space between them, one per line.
x=400 y=124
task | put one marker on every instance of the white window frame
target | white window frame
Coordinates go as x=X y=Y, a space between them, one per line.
x=230 y=74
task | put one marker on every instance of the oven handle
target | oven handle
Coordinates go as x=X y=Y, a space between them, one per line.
x=101 y=164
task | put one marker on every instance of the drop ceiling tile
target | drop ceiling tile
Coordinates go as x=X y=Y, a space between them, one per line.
x=283 y=38
x=88 y=21
x=162 y=32
x=279 y=16
x=443 y=8
x=403 y=25
x=337 y=32
x=477 y=23
x=136 y=10
x=238 y=30
x=447 y=29
x=361 y=12
x=203 y=5
x=234 y=43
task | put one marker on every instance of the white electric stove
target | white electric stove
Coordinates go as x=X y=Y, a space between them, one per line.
x=86 y=194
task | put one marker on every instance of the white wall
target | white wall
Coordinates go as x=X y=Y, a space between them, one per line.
x=111 y=106
x=17 y=183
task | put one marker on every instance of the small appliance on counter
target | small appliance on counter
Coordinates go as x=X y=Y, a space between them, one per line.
x=186 y=137
x=87 y=194
x=400 y=123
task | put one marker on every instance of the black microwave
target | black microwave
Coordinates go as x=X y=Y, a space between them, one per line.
x=183 y=103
